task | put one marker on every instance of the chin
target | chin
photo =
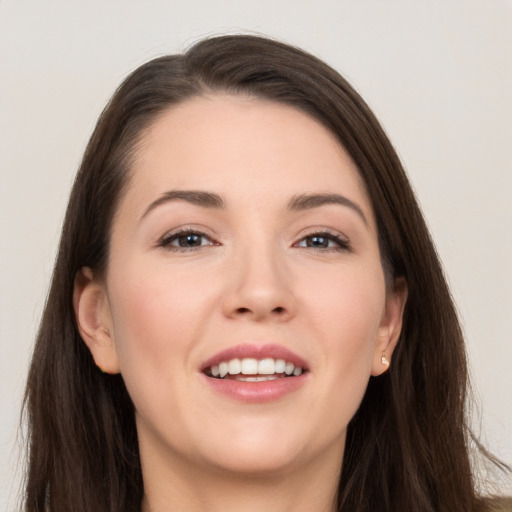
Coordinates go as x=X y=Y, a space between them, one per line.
x=264 y=449
x=261 y=461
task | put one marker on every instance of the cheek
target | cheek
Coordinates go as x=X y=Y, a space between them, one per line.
x=348 y=304
x=156 y=316
x=346 y=314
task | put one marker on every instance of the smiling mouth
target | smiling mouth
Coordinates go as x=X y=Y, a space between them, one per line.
x=251 y=369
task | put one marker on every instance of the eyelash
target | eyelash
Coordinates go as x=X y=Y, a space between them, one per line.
x=166 y=241
x=342 y=244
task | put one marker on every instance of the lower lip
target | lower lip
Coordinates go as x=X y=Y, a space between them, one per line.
x=256 y=392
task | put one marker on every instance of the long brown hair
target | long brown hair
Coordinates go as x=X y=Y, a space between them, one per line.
x=407 y=446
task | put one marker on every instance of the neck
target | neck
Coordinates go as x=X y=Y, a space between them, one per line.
x=311 y=488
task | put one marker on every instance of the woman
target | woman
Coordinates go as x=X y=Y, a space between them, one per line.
x=247 y=311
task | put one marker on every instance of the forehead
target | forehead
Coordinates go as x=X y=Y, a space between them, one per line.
x=243 y=148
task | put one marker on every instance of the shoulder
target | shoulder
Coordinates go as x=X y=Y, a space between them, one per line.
x=498 y=504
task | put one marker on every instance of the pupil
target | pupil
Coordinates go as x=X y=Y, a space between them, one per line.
x=190 y=240
x=317 y=241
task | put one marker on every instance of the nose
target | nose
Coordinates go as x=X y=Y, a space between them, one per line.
x=259 y=288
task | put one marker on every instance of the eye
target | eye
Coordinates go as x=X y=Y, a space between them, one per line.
x=324 y=241
x=185 y=239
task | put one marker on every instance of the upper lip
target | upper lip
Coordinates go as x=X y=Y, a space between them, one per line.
x=257 y=352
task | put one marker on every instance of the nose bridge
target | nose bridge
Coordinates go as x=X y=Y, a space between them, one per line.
x=259 y=285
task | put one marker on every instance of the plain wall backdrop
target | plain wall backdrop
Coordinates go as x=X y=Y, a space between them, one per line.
x=438 y=74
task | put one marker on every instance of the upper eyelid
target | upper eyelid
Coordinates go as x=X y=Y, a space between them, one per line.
x=188 y=229
x=327 y=232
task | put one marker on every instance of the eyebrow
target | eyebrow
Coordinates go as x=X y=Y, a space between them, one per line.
x=297 y=203
x=309 y=201
x=195 y=197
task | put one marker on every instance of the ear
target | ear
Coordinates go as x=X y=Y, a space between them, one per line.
x=93 y=318
x=390 y=327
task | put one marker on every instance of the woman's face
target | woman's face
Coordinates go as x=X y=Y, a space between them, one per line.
x=245 y=238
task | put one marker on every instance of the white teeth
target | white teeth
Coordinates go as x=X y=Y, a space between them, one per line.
x=223 y=369
x=288 y=369
x=280 y=365
x=267 y=367
x=234 y=366
x=249 y=366
x=258 y=379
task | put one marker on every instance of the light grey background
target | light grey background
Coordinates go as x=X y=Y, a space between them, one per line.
x=437 y=73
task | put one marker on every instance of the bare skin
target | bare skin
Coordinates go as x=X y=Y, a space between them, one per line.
x=189 y=278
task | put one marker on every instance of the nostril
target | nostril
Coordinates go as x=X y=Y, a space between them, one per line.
x=278 y=310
